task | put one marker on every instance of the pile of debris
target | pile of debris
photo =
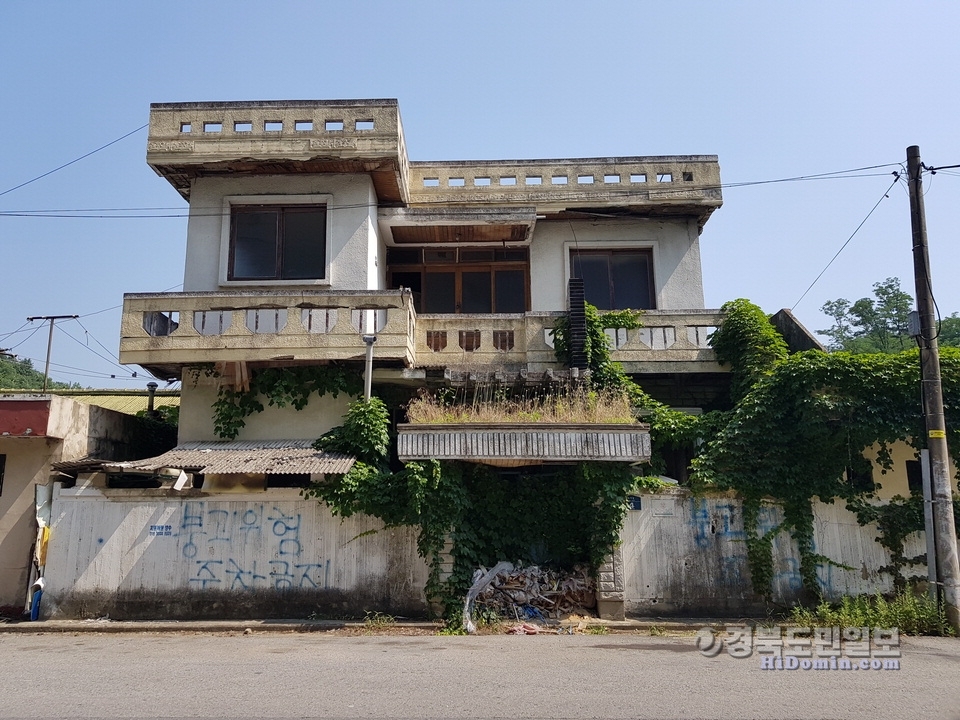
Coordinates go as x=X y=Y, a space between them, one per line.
x=529 y=594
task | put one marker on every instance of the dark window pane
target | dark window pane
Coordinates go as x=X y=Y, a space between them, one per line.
x=475 y=292
x=511 y=293
x=304 y=249
x=402 y=256
x=595 y=271
x=255 y=245
x=439 y=256
x=440 y=292
x=631 y=281
x=476 y=256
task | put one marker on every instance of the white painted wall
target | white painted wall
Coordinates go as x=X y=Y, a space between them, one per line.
x=351 y=204
x=676 y=258
x=688 y=554
x=103 y=549
x=196 y=416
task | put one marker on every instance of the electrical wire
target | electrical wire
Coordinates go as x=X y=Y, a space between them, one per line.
x=896 y=179
x=19 y=329
x=35 y=331
x=92 y=152
x=90 y=334
x=102 y=357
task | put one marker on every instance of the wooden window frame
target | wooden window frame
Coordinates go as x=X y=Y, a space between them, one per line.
x=609 y=252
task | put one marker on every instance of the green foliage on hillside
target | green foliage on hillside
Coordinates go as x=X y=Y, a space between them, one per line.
x=20 y=375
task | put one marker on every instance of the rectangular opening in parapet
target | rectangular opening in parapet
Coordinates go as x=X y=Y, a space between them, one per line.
x=638 y=177
x=533 y=180
x=431 y=182
x=333 y=125
x=186 y=127
x=611 y=178
x=364 y=125
x=455 y=182
x=688 y=177
x=584 y=179
x=558 y=180
x=303 y=125
x=244 y=126
x=664 y=177
x=509 y=180
x=273 y=126
x=212 y=127
x=482 y=181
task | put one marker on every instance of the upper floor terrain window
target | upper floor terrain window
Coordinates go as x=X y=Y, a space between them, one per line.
x=278 y=242
x=615 y=279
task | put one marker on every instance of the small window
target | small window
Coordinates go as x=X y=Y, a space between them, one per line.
x=558 y=180
x=611 y=179
x=481 y=181
x=664 y=177
x=915 y=477
x=533 y=180
x=243 y=127
x=186 y=127
x=278 y=242
x=508 y=180
x=333 y=125
x=584 y=179
x=431 y=182
x=364 y=125
x=273 y=126
x=212 y=127
x=303 y=125
x=455 y=182
x=638 y=177
x=688 y=177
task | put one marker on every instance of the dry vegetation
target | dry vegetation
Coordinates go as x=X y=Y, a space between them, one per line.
x=575 y=407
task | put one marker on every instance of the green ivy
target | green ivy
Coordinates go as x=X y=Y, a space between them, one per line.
x=280 y=387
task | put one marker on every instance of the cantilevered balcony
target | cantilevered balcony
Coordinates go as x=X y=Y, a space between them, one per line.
x=163 y=332
x=166 y=331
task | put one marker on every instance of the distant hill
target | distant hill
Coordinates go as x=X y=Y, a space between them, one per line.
x=20 y=375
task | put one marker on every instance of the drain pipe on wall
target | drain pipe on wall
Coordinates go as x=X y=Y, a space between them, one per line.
x=368 y=369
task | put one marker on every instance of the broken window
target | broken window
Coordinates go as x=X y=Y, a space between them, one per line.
x=271 y=242
x=615 y=279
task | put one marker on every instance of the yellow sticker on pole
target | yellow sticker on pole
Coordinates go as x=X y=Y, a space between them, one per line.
x=937 y=433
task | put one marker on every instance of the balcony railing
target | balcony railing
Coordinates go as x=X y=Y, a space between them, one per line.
x=176 y=329
x=170 y=330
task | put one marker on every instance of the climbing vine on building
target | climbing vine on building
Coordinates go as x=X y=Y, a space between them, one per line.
x=280 y=387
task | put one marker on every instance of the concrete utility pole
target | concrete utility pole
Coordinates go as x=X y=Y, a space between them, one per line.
x=52 y=319
x=946 y=536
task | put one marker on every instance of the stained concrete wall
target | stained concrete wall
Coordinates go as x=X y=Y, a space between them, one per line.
x=687 y=555
x=353 y=234
x=270 y=554
x=288 y=423
x=675 y=244
x=74 y=430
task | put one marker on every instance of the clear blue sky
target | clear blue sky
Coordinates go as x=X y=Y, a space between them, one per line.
x=776 y=89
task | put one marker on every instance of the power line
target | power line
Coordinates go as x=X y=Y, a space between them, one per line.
x=90 y=334
x=164 y=213
x=896 y=179
x=76 y=160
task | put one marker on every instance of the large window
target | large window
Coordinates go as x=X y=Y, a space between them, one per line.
x=615 y=279
x=277 y=242
x=463 y=280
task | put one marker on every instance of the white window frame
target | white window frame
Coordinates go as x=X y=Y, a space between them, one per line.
x=230 y=201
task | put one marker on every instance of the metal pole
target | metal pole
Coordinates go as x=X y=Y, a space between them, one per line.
x=946 y=537
x=368 y=368
x=52 y=319
x=928 y=528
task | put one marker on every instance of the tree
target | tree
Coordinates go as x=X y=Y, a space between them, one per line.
x=950 y=331
x=869 y=325
x=20 y=375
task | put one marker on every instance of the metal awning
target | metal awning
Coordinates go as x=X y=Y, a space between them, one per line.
x=270 y=457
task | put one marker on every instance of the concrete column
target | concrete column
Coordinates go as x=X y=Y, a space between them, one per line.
x=610 y=587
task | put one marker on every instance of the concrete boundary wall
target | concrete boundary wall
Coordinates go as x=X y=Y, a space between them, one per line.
x=132 y=556
x=683 y=554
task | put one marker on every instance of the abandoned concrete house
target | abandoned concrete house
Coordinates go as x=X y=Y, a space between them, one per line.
x=310 y=230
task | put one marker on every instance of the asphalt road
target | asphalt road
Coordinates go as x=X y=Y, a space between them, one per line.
x=320 y=675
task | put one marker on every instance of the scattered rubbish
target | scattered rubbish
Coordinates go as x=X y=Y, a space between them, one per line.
x=247 y=631
x=532 y=596
x=525 y=629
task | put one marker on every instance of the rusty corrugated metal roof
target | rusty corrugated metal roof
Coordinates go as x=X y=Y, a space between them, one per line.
x=248 y=456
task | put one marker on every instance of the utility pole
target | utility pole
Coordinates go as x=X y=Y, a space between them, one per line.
x=52 y=319
x=945 y=531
